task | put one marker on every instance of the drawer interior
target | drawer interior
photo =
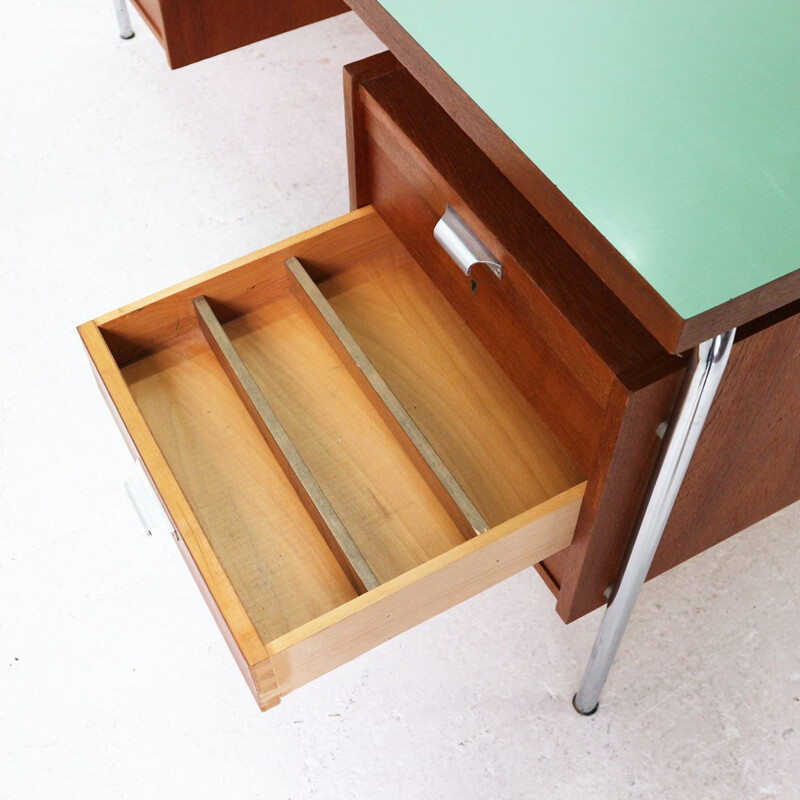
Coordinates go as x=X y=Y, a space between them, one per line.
x=465 y=452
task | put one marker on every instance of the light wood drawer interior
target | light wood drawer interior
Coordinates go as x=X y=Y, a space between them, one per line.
x=401 y=475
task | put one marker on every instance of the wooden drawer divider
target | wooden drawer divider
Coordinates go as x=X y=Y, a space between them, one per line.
x=305 y=484
x=447 y=489
x=425 y=458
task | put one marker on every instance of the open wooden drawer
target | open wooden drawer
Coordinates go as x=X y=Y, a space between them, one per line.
x=328 y=436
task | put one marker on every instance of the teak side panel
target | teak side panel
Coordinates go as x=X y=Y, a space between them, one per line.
x=747 y=462
x=150 y=11
x=354 y=75
x=406 y=601
x=746 y=465
x=625 y=460
x=191 y=30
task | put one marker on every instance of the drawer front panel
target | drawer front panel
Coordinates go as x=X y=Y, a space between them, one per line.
x=428 y=590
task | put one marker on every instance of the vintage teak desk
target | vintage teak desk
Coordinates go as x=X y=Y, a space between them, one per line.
x=558 y=328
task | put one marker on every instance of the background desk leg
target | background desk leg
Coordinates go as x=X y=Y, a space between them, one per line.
x=699 y=387
x=123 y=19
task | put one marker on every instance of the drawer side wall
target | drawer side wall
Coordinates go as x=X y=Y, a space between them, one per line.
x=220 y=596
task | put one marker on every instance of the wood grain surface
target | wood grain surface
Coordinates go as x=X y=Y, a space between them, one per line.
x=395 y=519
x=474 y=417
x=396 y=606
x=350 y=558
x=747 y=462
x=191 y=30
x=281 y=568
x=450 y=493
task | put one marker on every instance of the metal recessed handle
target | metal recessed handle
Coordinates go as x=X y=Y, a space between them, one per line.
x=462 y=245
x=146 y=502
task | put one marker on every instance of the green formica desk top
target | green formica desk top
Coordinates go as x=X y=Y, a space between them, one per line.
x=672 y=125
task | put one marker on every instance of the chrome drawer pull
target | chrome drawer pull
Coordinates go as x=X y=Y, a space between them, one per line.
x=462 y=245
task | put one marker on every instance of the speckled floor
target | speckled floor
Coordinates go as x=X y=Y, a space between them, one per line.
x=118 y=178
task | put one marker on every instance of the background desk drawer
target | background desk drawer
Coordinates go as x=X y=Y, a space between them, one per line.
x=191 y=30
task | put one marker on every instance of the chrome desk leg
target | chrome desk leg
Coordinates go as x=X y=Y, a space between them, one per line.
x=123 y=20
x=699 y=387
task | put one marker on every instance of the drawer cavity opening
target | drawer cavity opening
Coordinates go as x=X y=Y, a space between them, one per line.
x=465 y=516
x=313 y=498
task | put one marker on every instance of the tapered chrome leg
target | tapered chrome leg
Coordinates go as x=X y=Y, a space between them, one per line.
x=123 y=19
x=699 y=387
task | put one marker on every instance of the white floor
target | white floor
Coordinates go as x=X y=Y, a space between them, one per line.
x=118 y=178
